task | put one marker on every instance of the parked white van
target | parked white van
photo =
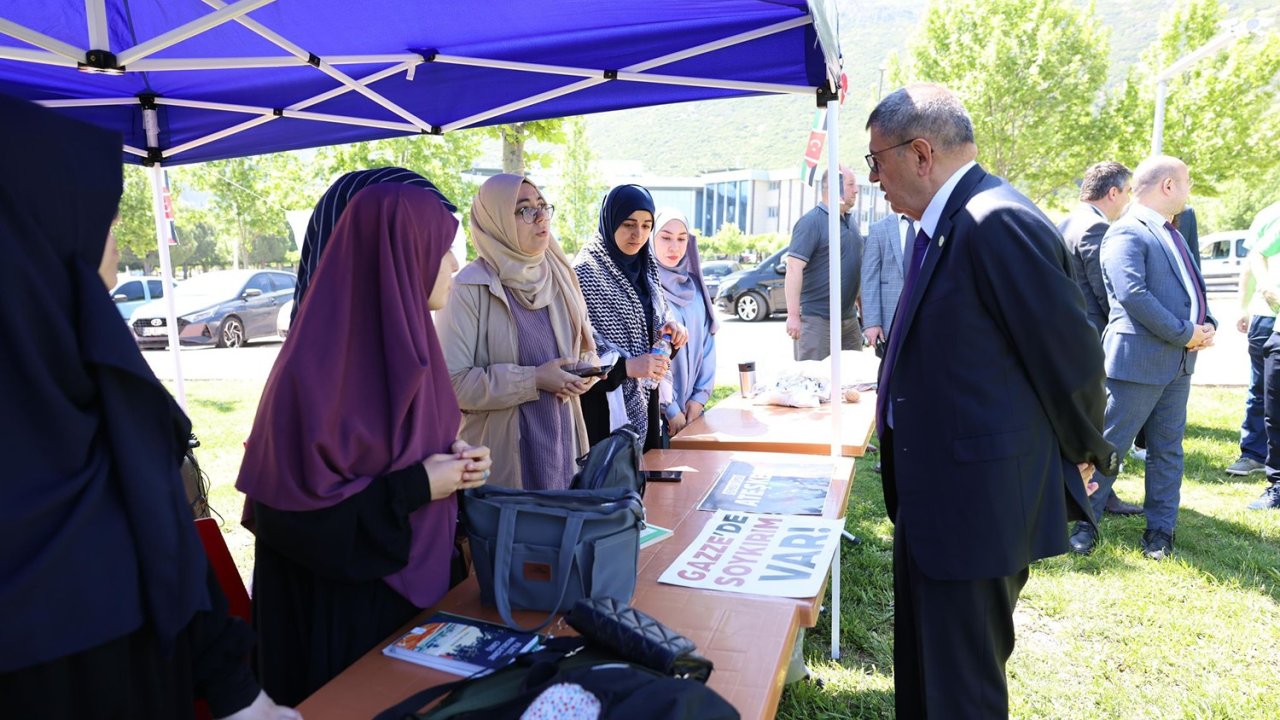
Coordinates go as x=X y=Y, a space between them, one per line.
x=1222 y=258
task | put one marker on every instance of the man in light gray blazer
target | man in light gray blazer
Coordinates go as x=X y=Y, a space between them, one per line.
x=1159 y=321
x=883 y=262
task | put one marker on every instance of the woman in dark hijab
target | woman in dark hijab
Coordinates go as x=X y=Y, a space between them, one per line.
x=627 y=308
x=353 y=463
x=109 y=608
x=327 y=211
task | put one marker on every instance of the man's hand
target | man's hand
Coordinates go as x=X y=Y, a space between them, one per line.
x=692 y=410
x=872 y=334
x=677 y=423
x=1086 y=476
x=1201 y=337
x=793 y=325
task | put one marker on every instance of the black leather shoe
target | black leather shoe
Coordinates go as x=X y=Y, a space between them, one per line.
x=1116 y=506
x=1157 y=544
x=1083 y=538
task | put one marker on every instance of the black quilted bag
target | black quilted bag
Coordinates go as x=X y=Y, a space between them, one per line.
x=638 y=637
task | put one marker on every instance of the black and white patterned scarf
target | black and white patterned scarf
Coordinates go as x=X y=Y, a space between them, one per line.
x=619 y=319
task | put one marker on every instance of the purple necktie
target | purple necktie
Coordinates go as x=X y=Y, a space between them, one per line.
x=895 y=336
x=1181 y=244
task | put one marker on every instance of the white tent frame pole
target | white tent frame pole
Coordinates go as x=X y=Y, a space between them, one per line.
x=299 y=114
x=40 y=57
x=835 y=187
x=88 y=102
x=40 y=40
x=255 y=122
x=290 y=47
x=226 y=13
x=243 y=63
x=638 y=67
x=95 y=13
x=151 y=123
x=135 y=151
x=772 y=88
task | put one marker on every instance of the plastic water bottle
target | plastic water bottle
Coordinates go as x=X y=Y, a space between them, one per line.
x=661 y=348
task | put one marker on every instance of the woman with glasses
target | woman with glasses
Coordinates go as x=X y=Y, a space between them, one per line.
x=629 y=312
x=685 y=392
x=514 y=321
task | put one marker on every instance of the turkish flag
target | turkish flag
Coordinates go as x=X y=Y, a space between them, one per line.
x=813 y=152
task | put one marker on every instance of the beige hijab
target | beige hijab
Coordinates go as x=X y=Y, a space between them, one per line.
x=535 y=281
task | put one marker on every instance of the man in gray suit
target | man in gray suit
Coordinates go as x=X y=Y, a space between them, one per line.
x=886 y=253
x=1159 y=320
x=1104 y=193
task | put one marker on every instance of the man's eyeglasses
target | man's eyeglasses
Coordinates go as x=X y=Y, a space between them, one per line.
x=530 y=214
x=871 y=156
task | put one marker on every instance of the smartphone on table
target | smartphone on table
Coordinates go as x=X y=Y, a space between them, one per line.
x=663 y=475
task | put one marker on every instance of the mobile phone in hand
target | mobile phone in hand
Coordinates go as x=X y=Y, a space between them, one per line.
x=663 y=475
x=587 y=371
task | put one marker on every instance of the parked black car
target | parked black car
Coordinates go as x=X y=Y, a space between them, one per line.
x=226 y=308
x=753 y=295
x=714 y=271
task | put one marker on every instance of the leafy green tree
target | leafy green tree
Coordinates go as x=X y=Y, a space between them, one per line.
x=136 y=230
x=577 y=199
x=1030 y=73
x=249 y=196
x=514 y=136
x=441 y=159
x=729 y=241
x=1219 y=114
x=197 y=242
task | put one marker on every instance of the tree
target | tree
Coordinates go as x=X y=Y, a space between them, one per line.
x=136 y=230
x=515 y=135
x=1030 y=73
x=442 y=159
x=197 y=242
x=249 y=196
x=1217 y=114
x=577 y=199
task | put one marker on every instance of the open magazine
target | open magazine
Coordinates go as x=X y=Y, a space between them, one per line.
x=460 y=645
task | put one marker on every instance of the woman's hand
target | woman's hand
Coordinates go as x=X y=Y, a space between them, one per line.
x=465 y=468
x=677 y=423
x=679 y=335
x=552 y=378
x=648 y=366
x=264 y=708
x=692 y=410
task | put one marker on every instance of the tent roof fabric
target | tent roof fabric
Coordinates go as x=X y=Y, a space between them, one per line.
x=258 y=76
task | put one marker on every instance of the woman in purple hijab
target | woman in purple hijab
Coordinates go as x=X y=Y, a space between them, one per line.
x=353 y=465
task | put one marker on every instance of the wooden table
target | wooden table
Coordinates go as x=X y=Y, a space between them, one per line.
x=748 y=637
x=737 y=423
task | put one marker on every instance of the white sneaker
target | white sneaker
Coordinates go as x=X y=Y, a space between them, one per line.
x=1139 y=453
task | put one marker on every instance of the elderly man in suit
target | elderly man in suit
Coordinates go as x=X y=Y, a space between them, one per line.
x=1104 y=193
x=1159 y=321
x=886 y=254
x=990 y=426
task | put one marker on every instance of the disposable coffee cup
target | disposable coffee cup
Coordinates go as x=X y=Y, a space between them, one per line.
x=747 y=378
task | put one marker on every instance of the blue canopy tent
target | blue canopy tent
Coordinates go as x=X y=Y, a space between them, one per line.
x=188 y=81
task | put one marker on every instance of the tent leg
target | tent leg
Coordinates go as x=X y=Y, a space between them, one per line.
x=835 y=184
x=166 y=273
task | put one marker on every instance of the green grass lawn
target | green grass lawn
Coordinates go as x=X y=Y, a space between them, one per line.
x=1109 y=636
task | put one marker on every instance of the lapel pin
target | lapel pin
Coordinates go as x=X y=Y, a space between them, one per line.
x=941 y=239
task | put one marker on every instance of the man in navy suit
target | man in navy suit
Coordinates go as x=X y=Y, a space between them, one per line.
x=989 y=407
x=1159 y=320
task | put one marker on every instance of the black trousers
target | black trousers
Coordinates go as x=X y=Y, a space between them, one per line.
x=951 y=640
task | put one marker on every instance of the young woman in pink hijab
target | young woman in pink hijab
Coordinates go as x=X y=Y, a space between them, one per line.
x=353 y=466
x=515 y=318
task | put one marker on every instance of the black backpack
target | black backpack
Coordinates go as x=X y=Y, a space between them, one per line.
x=626 y=690
x=612 y=462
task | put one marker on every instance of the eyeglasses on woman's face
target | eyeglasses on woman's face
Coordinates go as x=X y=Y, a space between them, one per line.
x=531 y=214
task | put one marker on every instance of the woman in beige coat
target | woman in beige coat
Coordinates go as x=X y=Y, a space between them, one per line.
x=514 y=320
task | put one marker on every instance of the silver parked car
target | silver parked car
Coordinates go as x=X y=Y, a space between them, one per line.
x=227 y=308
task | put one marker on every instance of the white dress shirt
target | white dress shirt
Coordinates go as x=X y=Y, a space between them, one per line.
x=1156 y=221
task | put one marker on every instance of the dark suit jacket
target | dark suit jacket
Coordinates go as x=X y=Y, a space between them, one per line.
x=997 y=391
x=1083 y=230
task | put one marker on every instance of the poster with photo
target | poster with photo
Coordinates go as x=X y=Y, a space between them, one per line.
x=772 y=488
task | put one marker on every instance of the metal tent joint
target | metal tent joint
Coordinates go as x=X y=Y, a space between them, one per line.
x=313 y=60
x=827 y=95
x=610 y=74
x=100 y=62
x=147 y=101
